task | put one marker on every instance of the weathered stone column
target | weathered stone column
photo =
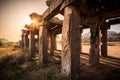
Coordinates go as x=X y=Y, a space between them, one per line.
x=94 y=44
x=37 y=42
x=22 y=40
x=52 y=43
x=71 y=43
x=43 y=44
x=26 y=40
x=81 y=31
x=32 y=44
x=104 y=41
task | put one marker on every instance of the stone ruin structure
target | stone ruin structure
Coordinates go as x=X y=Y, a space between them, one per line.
x=78 y=15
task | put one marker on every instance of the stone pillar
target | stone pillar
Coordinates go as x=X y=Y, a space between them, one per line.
x=22 y=41
x=32 y=44
x=104 y=41
x=94 y=44
x=26 y=41
x=37 y=42
x=52 y=43
x=43 y=44
x=81 y=30
x=71 y=43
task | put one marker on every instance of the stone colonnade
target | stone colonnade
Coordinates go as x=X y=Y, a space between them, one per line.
x=71 y=43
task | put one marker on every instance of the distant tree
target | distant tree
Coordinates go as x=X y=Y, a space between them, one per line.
x=1 y=43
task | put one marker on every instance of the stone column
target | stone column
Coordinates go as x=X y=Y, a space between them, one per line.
x=94 y=44
x=52 y=43
x=71 y=43
x=81 y=31
x=22 y=41
x=26 y=40
x=43 y=44
x=37 y=42
x=104 y=41
x=32 y=44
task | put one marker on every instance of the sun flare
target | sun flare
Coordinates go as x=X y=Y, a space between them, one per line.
x=28 y=21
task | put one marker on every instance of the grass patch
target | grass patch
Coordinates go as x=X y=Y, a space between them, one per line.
x=17 y=67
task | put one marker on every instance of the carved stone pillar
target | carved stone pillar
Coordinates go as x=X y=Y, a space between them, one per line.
x=104 y=41
x=81 y=31
x=71 y=43
x=37 y=42
x=52 y=43
x=43 y=58
x=22 y=41
x=94 y=44
x=26 y=41
x=32 y=44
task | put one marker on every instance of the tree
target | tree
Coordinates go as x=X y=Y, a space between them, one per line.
x=1 y=43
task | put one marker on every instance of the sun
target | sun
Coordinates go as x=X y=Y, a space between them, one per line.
x=28 y=21
x=33 y=21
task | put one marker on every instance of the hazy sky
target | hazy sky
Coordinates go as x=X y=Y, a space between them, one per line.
x=15 y=13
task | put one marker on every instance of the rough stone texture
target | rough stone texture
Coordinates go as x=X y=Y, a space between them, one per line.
x=49 y=2
x=81 y=31
x=94 y=44
x=104 y=41
x=43 y=44
x=36 y=43
x=52 y=43
x=22 y=41
x=71 y=43
x=32 y=44
x=26 y=41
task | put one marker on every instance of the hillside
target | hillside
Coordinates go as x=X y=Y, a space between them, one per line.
x=4 y=40
x=111 y=35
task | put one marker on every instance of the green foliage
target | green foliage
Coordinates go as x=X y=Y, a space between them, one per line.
x=1 y=44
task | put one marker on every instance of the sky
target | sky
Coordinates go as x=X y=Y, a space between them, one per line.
x=14 y=14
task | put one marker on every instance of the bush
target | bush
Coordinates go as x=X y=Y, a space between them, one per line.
x=1 y=44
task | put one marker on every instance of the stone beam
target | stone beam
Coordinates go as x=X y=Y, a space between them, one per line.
x=49 y=2
x=115 y=21
x=112 y=14
x=89 y=20
x=71 y=43
x=52 y=10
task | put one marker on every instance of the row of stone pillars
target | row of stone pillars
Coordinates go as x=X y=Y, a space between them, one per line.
x=29 y=42
x=71 y=42
x=71 y=47
x=24 y=40
x=40 y=44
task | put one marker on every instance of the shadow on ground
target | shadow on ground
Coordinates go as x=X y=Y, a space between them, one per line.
x=18 y=67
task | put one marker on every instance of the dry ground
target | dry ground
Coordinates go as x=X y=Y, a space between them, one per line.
x=14 y=65
x=113 y=48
